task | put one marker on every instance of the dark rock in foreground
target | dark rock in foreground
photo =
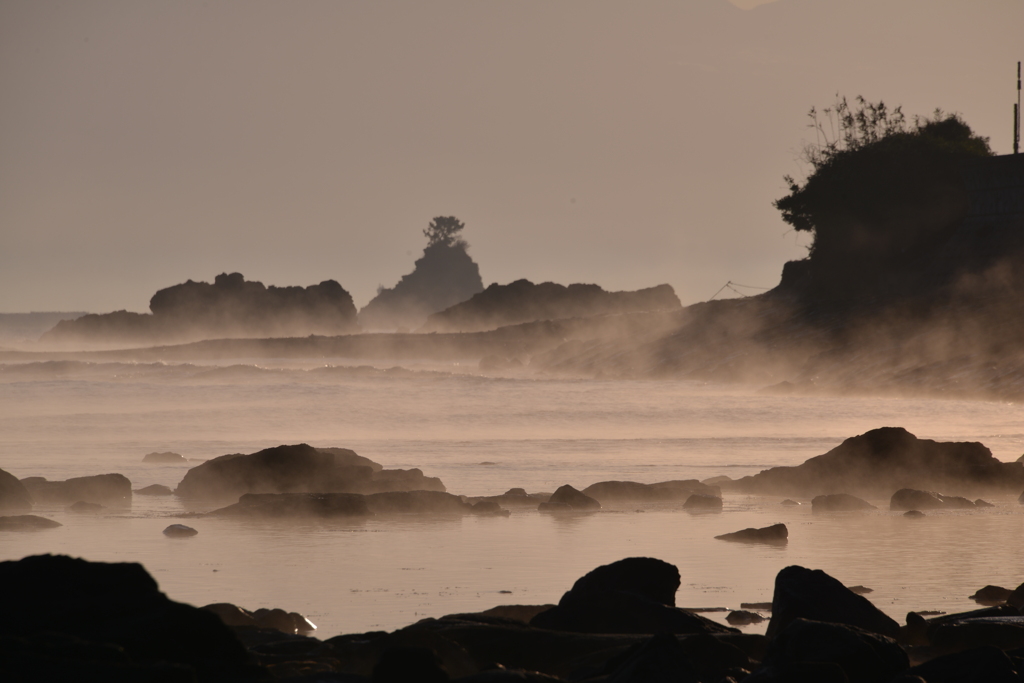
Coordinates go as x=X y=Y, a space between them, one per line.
x=986 y=664
x=579 y=501
x=839 y=502
x=13 y=494
x=884 y=460
x=634 y=595
x=808 y=650
x=167 y=457
x=27 y=523
x=776 y=533
x=104 y=489
x=812 y=594
x=297 y=469
x=101 y=621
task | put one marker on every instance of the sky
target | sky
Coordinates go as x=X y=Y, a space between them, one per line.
x=143 y=144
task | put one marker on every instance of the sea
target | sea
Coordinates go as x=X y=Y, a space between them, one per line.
x=482 y=435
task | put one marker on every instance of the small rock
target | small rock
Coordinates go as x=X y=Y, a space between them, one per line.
x=776 y=533
x=179 y=531
x=164 y=458
x=742 y=617
x=991 y=595
x=27 y=523
x=577 y=499
x=154 y=490
x=983 y=504
x=488 y=508
x=913 y=514
x=789 y=503
x=861 y=590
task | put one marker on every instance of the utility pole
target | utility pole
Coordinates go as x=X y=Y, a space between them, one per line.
x=1016 y=116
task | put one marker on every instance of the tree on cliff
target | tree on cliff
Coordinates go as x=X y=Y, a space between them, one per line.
x=445 y=275
x=879 y=183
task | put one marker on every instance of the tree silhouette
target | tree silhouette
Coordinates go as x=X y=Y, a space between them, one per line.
x=444 y=230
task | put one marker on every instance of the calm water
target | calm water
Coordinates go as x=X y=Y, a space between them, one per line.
x=65 y=420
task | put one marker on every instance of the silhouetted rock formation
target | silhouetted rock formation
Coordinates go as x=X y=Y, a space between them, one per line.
x=698 y=502
x=443 y=276
x=78 y=620
x=569 y=496
x=154 y=490
x=297 y=469
x=912 y=499
x=634 y=595
x=230 y=307
x=104 y=489
x=882 y=461
x=812 y=594
x=277 y=619
x=522 y=301
x=13 y=494
x=167 y=457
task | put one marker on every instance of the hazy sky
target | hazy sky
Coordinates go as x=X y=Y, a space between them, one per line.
x=143 y=143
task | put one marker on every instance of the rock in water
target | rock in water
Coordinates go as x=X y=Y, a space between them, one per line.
x=81 y=507
x=578 y=500
x=13 y=494
x=991 y=595
x=104 y=489
x=742 y=617
x=839 y=502
x=283 y=505
x=802 y=593
x=634 y=595
x=27 y=523
x=698 y=502
x=913 y=514
x=776 y=533
x=179 y=531
x=155 y=490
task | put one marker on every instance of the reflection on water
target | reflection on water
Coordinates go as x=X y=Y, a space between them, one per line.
x=382 y=574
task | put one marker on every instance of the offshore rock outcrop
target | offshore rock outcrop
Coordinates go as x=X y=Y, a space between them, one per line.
x=523 y=301
x=882 y=461
x=102 y=489
x=297 y=469
x=13 y=494
x=443 y=276
x=230 y=307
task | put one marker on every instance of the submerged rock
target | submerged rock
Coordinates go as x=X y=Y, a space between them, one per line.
x=13 y=494
x=802 y=593
x=884 y=460
x=179 y=531
x=776 y=533
x=634 y=595
x=154 y=490
x=104 y=489
x=913 y=514
x=610 y=492
x=839 y=502
x=27 y=523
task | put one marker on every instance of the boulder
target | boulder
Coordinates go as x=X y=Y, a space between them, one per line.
x=912 y=499
x=611 y=492
x=991 y=595
x=297 y=469
x=179 y=531
x=81 y=507
x=699 y=502
x=839 y=502
x=81 y=605
x=13 y=494
x=284 y=505
x=578 y=501
x=634 y=595
x=776 y=534
x=165 y=458
x=884 y=460
x=27 y=523
x=488 y=508
x=154 y=490
x=105 y=489
x=819 y=648
x=802 y=593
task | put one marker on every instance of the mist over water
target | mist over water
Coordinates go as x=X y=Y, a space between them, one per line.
x=482 y=436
